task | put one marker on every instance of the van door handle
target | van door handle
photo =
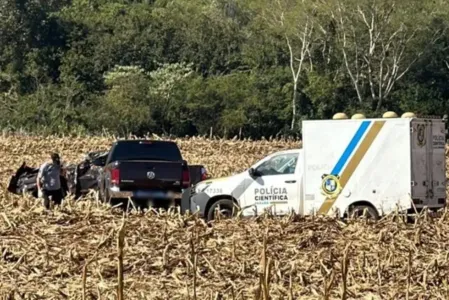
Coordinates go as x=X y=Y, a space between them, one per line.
x=290 y=181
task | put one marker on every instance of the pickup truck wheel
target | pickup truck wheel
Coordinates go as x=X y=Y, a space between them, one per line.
x=357 y=211
x=226 y=209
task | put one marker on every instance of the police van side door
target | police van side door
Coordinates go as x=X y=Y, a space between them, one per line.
x=275 y=183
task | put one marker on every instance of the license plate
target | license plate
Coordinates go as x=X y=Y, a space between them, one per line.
x=156 y=194
x=150 y=194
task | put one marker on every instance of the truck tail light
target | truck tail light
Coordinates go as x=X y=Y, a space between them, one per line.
x=115 y=176
x=204 y=174
x=185 y=178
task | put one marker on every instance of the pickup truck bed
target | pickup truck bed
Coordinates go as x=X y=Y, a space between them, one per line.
x=138 y=174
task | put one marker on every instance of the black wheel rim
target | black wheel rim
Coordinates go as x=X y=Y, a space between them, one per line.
x=358 y=213
x=225 y=212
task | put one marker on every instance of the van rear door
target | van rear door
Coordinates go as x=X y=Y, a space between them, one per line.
x=428 y=162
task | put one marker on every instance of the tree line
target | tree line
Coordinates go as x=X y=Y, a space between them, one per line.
x=234 y=67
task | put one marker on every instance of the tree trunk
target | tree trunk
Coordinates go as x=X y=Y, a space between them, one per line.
x=295 y=92
x=379 y=103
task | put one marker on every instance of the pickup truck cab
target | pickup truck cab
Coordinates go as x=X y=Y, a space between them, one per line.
x=147 y=171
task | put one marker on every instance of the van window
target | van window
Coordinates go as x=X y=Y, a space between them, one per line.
x=281 y=164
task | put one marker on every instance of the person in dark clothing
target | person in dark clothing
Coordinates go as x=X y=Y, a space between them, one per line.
x=49 y=181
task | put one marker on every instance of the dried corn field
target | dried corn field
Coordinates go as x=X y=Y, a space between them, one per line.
x=84 y=250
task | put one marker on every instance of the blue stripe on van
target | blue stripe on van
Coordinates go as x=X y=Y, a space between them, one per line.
x=351 y=147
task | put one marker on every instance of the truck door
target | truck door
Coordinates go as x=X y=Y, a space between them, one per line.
x=420 y=137
x=428 y=162
x=438 y=167
x=276 y=184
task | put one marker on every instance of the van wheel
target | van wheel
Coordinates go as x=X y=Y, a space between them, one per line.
x=357 y=211
x=226 y=209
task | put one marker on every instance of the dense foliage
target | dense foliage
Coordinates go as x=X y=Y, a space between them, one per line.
x=235 y=67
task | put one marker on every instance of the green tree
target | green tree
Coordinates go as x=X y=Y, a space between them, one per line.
x=378 y=42
x=295 y=23
x=125 y=107
x=164 y=81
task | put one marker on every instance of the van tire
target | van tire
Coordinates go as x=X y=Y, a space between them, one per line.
x=358 y=210
x=226 y=207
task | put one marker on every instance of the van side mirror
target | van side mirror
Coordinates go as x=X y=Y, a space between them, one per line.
x=253 y=173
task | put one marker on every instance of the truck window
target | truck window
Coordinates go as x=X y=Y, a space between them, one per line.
x=281 y=164
x=146 y=151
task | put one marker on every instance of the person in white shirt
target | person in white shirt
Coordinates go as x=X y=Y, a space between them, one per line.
x=49 y=181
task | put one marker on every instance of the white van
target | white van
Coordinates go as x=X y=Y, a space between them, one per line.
x=377 y=165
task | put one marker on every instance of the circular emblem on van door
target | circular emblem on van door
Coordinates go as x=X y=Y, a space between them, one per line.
x=330 y=185
x=151 y=175
x=421 y=134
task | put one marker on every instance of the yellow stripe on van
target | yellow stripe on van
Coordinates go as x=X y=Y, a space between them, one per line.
x=353 y=163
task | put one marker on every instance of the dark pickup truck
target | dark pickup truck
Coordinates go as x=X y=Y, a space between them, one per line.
x=152 y=173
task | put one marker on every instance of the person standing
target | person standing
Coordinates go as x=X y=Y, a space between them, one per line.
x=49 y=181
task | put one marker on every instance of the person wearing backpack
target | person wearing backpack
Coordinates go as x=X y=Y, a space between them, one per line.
x=49 y=181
